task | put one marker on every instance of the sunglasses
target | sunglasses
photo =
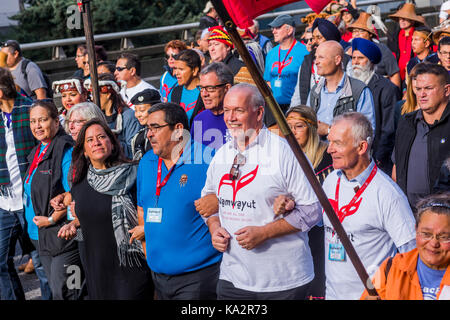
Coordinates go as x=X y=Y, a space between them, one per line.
x=168 y=56
x=121 y=68
x=239 y=160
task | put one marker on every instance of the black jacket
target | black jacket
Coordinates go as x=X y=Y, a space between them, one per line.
x=438 y=146
x=385 y=96
x=45 y=185
x=233 y=63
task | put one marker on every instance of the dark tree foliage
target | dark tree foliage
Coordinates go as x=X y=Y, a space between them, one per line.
x=47 y=20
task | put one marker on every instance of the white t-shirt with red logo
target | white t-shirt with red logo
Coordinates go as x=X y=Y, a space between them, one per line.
x=382 y=223
x=270 y=169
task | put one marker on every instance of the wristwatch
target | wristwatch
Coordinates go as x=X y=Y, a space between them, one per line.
x=50 y=219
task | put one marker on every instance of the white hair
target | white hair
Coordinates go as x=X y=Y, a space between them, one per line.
x=361 y=127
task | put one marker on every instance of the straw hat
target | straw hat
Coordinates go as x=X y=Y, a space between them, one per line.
x=408 y=11
x=364 y=22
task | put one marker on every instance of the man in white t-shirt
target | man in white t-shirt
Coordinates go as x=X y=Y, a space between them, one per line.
x=373 y=210
x=264 y=257
x=128 y=69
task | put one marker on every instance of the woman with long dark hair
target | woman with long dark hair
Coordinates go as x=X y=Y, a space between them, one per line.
x=115 y=266
x=120 y=117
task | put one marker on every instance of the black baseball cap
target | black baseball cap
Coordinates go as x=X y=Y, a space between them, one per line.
x=13 y=44
x=148 y=96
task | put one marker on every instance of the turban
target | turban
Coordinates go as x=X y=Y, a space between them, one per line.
x=218 y=33
x=328 y=29
x=367 y=48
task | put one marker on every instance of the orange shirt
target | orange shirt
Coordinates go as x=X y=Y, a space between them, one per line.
x=402 y=282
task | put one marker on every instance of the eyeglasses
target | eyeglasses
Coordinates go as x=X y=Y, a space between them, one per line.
x=76 y=122
x=298 y=127
x=155 y=127
x=442 y=238
x=239 y=160
x=308 y=39
x=210 y=88
x=121 y=68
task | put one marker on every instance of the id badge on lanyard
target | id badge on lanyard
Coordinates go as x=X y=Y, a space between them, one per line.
x=336 y=252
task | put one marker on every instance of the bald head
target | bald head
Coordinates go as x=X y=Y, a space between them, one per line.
x=329 y=57
x=333 y=48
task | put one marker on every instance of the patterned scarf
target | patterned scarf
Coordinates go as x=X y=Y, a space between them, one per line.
x=24 y=141
x=117 y=182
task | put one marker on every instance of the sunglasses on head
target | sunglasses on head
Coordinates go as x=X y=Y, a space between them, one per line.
x=239 y=160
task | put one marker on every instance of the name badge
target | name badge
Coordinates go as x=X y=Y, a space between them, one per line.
x=277 y=83
x=25 y=199
x=336 y=252
x=154 y=215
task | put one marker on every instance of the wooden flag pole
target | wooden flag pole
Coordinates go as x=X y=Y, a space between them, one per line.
x=85 y=9
x=286 y=131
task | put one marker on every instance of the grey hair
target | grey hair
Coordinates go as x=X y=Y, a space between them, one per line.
x=222 y=71
x=436 y=203
x=361 y=127
x=88 y=111
x=256 y=99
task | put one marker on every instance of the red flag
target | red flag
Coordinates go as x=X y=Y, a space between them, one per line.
x=244 y=11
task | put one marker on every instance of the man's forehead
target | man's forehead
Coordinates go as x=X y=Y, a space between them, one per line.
x=209 y=79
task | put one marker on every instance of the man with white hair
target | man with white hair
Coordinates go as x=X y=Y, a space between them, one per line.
x=372 y=208
x=263 y=257
x=365 y=56
x=282 y=63
x=337 y=93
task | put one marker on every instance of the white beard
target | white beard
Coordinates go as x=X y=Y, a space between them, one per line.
x=363 y=73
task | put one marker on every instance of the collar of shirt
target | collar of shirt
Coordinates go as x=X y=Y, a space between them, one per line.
x=338 y=88
x=361 y=177
x=260 y=139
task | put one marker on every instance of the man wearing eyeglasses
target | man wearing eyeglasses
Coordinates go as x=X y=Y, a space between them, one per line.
x=208 y=126
x=263 y=257
x=178 y=246
x=128 y=69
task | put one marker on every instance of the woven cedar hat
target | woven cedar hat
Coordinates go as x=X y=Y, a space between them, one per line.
x=408 y=11
x=444 y=28
x=364 y=22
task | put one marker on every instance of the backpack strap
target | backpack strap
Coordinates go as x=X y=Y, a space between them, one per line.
x=23 y=68
x=388 y=267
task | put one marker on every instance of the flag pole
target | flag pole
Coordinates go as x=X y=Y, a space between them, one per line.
x=298 y=152
x=85 y=8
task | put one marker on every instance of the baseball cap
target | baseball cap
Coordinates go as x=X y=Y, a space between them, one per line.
x=283 y=19
x=148 y=96
x=13 y=44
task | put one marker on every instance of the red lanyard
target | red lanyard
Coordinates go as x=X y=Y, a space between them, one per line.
x=160 y=184
x=281 y=65
x=37 y=159
x=353 y=205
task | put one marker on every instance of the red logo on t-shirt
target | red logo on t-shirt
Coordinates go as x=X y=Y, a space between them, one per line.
x=188 y=107
x=281 y=65
x=346 y=210
x=237 y=184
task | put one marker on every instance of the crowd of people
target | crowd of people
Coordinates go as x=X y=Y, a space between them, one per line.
x=189 y=191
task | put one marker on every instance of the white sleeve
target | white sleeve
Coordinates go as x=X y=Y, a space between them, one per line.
x=295 y=100
x=398 y=220
x=307 y=212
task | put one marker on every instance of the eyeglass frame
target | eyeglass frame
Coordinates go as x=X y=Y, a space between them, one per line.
x=427 y=236
x=153 y=128
x=211 y=88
